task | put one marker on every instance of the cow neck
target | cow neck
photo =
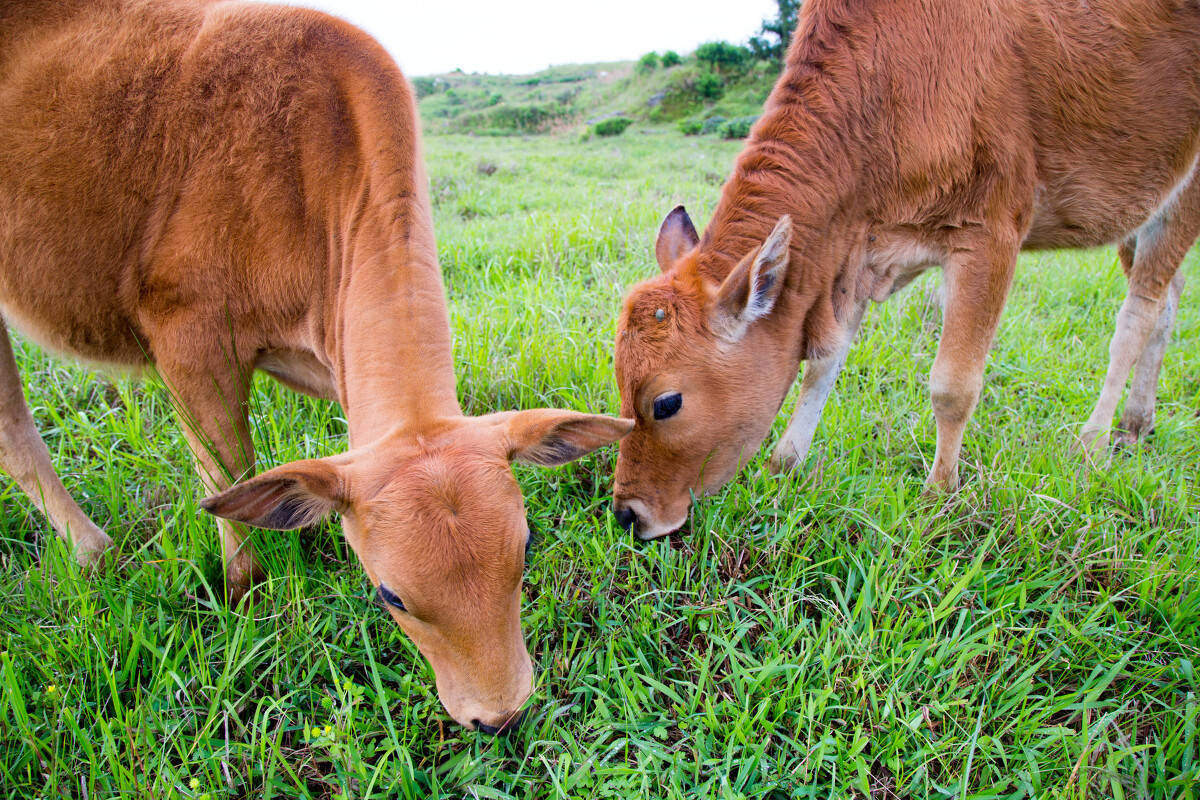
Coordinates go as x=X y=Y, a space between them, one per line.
x=394 y=362
x=774 y=176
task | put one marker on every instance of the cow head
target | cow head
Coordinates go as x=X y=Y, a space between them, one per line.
x=701 y=370
x=439 y=525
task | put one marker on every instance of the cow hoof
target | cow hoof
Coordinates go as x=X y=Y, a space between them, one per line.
x=941 y=484
x=780 y=464
x=90 y=551
x=240 y=580
x=1133 y=428
x=1127 y=439
x=1089 y=442
x=786 y=460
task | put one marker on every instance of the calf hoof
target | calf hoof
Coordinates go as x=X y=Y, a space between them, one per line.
x=1091 y=441
x=240 y=580
x=1132 y=429
x=1127 y=440
x=782 y=463
x=940 y=484
x=90 y=550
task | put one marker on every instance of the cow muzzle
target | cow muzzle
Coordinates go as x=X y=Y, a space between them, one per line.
x=633 y=515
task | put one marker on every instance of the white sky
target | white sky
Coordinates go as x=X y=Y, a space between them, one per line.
x=521 y=36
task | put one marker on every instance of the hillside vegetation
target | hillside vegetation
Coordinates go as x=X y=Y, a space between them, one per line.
x=698 y=95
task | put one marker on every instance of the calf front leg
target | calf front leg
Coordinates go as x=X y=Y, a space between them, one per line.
x=24 y=456
x=820 y=376
x=976 y=288
x=210 y=395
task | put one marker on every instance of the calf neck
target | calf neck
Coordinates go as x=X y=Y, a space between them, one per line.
x=210 y=188
x=904 y=134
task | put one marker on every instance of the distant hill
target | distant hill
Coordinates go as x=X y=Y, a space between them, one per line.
x=575 y=96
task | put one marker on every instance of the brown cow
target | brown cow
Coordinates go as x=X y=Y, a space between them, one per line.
x=903 y=134
x=211 y=188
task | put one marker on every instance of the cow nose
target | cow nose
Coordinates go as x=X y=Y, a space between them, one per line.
x=504 y=729
x=626 y=517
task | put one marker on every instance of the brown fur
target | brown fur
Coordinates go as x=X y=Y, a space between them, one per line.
x=210 y=188
x=905 y=133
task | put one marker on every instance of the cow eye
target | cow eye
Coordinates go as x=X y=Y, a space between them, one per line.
x=389 y=597
x=667 y=405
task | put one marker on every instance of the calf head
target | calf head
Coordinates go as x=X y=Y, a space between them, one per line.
x=438 y=522
x=701 y=373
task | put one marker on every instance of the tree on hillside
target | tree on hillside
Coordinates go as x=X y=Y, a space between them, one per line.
x=723 y=57
x=775 y=34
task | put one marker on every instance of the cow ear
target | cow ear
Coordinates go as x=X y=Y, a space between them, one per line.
x=295 y=495
x=549 y=437
x=676 y=236
x=750 y=291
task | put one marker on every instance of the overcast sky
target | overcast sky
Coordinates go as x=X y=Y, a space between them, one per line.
x=521 y=36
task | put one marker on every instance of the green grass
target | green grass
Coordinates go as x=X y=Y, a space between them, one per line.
x=829 y=634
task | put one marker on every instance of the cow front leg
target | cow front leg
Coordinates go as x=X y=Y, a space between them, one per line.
x=976 y=288
x=820 y=376
x=1138 y=417
x=210 y=395
x=24 y=456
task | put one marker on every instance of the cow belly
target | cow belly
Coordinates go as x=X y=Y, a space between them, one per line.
x=98 y=338
x=1079 y=203
x=71 y=305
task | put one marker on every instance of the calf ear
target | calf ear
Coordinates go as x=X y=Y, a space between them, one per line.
x=294 y=495
x=676 y=236
x=750 y=291
x=549 y=437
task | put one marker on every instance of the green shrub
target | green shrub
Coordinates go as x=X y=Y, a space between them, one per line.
x=671 y=59
x=613 y=126
x=647 y=63
x=690 y=127
x=738 y=128
x=425 y=86
x=505 y=120
x=723 y=57
x=712 y=125
x=679 y=96
x=710 y=86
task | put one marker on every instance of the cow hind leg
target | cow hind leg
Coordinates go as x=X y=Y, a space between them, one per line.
x=976 y=288
x=1147 y=315
x=24 y=456
x=820 y=375
x=1138 y=418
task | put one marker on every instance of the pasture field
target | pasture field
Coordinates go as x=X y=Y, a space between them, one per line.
x=828 y=634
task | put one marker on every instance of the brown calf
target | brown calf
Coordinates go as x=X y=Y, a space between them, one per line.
x=903 y=134
x=212 y=188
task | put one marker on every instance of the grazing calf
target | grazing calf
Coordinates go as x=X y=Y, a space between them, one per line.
x=214 y=188
x=903 y=134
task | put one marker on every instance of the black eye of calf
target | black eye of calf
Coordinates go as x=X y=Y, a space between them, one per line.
x=386 y=595
x=667 y=405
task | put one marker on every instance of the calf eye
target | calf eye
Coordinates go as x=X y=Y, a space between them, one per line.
x=667 y=405
x=386 y=595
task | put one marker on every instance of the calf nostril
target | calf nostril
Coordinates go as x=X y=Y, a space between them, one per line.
x=504 y=729
x=490 y=730
x=625 y=516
